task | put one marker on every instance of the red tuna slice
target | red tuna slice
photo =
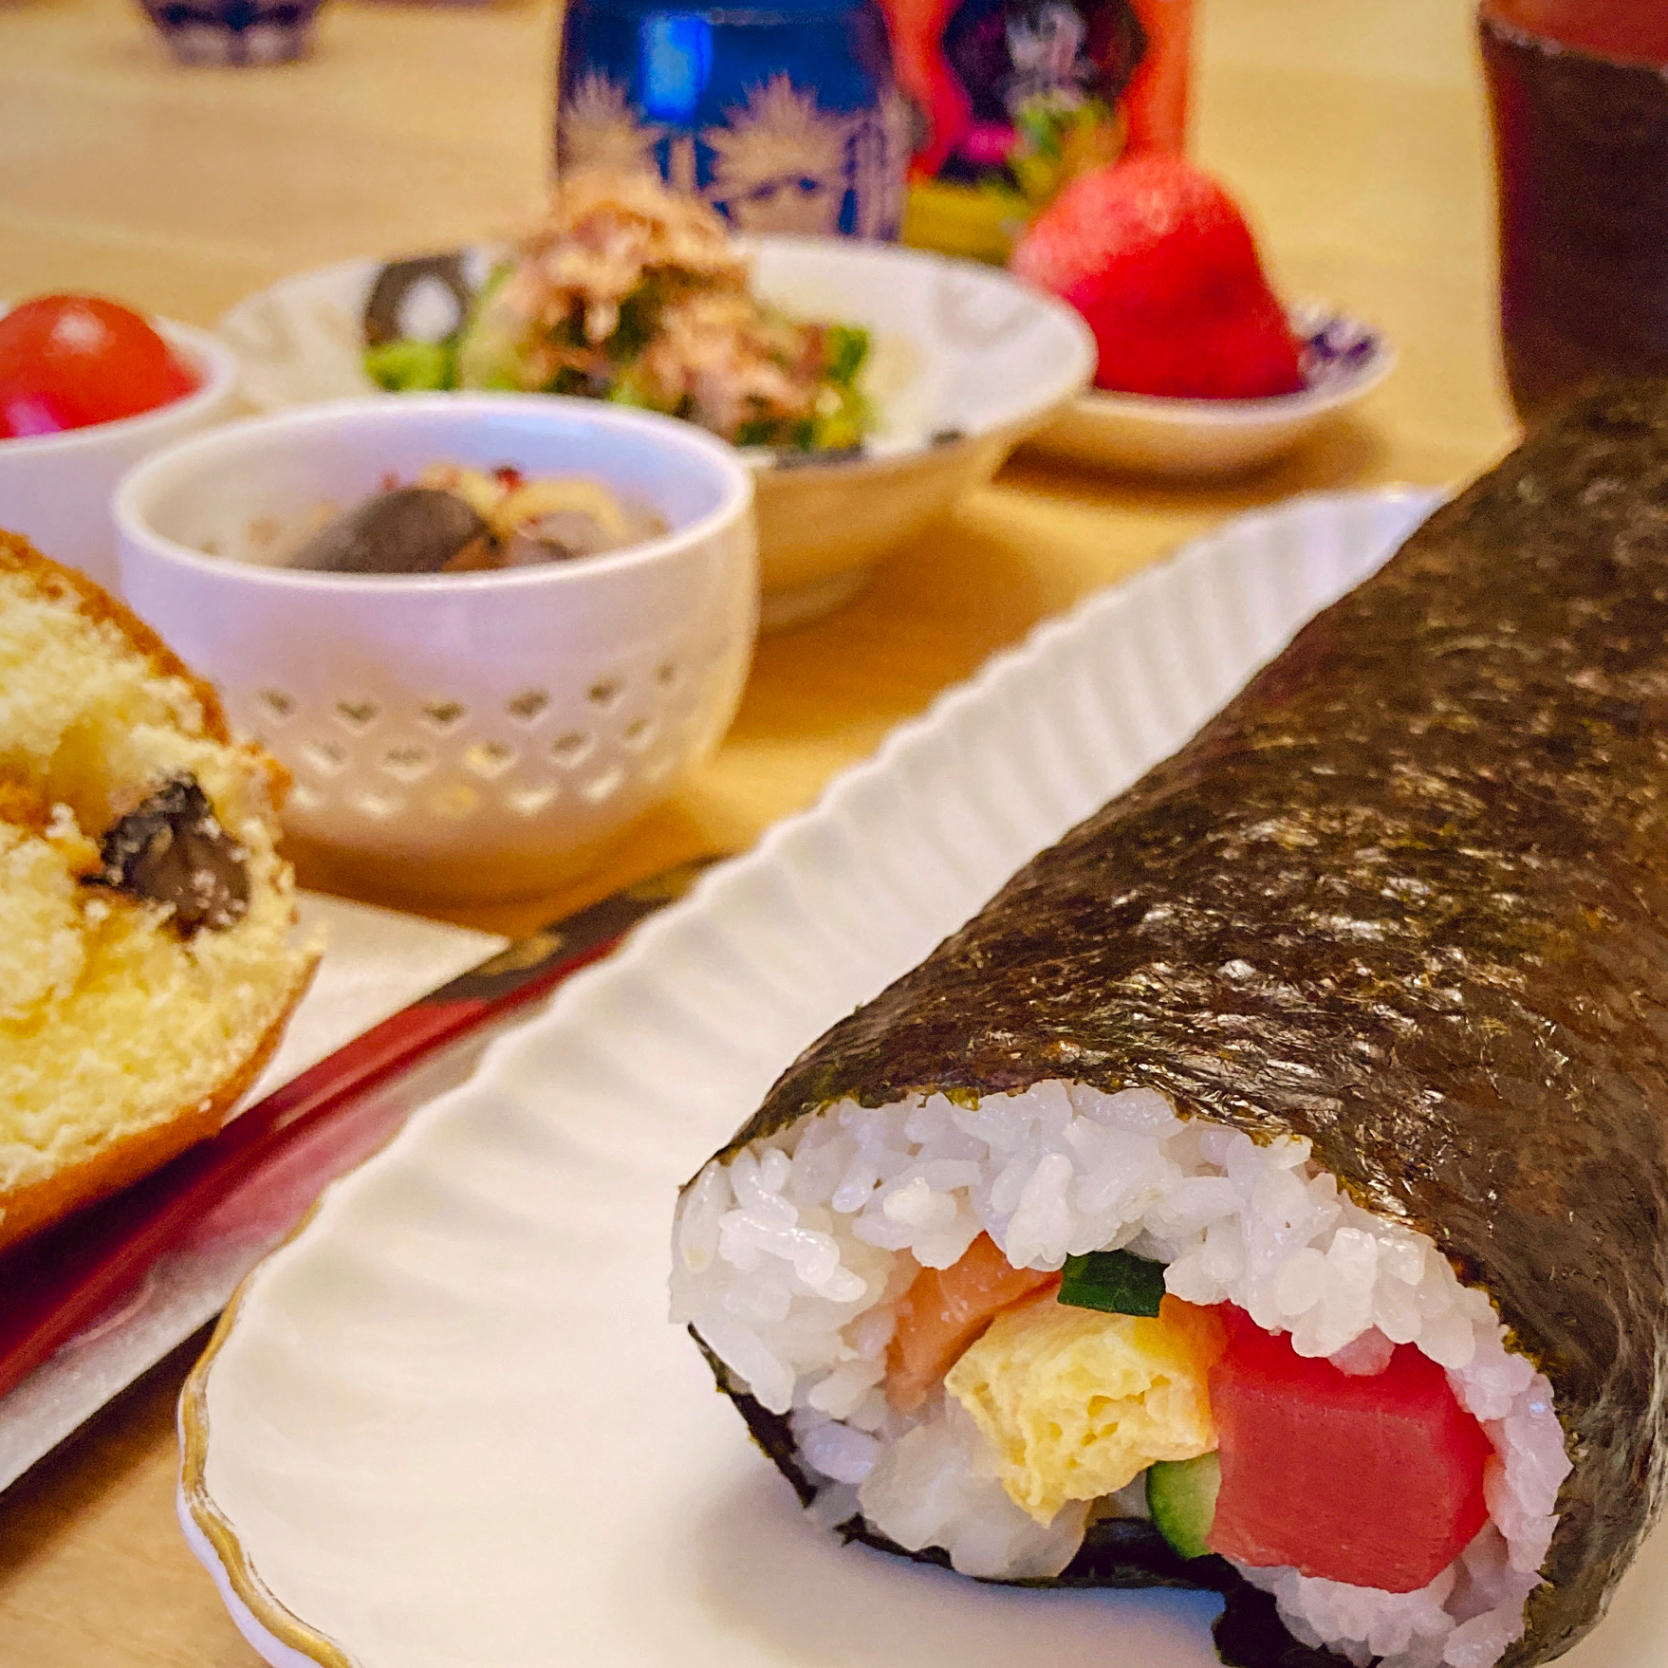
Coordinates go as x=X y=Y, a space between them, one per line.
x=1375 y=1481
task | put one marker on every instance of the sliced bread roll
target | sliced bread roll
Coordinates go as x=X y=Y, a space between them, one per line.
x=147 y=967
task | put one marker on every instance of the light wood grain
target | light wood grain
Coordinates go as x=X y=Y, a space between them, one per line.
x=1353 y=131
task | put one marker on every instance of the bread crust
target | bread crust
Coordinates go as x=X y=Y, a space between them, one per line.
x=27 y=1209
x=56 y=583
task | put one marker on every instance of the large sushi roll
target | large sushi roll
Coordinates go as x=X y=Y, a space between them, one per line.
x=1267 y=1190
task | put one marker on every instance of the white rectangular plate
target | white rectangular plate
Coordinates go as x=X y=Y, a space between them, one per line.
x=375 y=962
x=448 y=1425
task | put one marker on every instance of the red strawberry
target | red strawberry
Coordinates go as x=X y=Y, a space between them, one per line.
x=1157 y=258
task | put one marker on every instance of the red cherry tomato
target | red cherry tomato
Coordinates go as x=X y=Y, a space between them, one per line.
x=67 y=361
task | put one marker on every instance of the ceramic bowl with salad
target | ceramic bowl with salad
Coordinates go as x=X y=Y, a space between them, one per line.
x=867 y=385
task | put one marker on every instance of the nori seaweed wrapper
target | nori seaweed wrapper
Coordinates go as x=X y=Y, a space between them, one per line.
x=1407 y=896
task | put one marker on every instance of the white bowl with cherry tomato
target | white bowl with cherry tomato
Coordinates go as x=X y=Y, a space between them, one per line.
x=87 y=389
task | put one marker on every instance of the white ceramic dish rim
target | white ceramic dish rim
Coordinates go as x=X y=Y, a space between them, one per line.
x=169 y=467
x=1275 y=408
x=276 y=1631
x=215 y=361
x=887 y=456
x=1042 y=401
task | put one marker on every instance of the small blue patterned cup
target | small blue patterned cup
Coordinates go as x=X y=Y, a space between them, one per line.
x=784 y=117
x=235 y=31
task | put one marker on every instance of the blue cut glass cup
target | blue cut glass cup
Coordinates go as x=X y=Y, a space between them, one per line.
x=235 y=31
x=786 y=118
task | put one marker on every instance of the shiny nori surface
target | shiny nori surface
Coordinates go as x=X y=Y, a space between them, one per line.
x=1407 y=895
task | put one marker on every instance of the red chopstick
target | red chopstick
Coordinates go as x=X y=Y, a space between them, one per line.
x=60 y=1282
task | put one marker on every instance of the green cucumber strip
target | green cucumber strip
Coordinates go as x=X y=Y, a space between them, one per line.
x=846 y=346
x=408 y=365
x=1181 y=1495
x=1117 y=1282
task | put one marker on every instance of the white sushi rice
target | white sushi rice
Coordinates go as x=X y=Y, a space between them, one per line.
x=789 y=1259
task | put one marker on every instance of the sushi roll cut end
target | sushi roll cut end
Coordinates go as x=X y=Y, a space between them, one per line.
x=1375 y=1455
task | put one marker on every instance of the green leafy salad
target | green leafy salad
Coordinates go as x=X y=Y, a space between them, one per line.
x=626 y=292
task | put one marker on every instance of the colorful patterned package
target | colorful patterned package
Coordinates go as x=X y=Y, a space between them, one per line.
x=1016 y=97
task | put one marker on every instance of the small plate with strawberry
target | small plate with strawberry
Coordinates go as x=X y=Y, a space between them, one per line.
x=1202 y=369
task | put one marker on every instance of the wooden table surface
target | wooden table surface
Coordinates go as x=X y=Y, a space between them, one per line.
x=1353 y=131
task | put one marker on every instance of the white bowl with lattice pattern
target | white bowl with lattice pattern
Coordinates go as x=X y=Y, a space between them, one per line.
x=457 y=735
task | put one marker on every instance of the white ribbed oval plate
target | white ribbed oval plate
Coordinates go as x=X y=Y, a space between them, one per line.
x=448 y=1425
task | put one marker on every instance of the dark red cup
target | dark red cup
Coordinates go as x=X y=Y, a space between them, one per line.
x=1580 y=105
